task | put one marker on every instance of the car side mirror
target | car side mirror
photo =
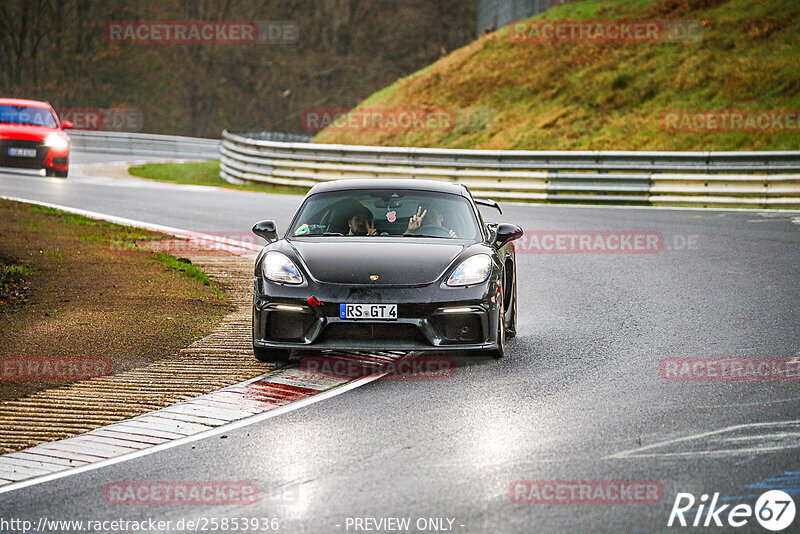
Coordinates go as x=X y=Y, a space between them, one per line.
x=267 y=229
x=507 y=233
x=66 y=124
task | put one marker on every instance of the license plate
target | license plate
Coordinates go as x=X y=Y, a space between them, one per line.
x=383 y=312
x=22 y=152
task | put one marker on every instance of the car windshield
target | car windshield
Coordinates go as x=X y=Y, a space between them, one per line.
x=27 y=116
x=386 y=212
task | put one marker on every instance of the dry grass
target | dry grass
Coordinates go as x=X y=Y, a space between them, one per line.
x=590 y=96
x=74 y=289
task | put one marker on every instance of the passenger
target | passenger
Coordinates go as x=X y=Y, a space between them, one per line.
x=431 y=217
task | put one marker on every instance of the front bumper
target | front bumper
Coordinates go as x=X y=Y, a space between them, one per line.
x=46 y=157
x=430 y=318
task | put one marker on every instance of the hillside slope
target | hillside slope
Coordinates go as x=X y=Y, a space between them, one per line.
x=585 y=95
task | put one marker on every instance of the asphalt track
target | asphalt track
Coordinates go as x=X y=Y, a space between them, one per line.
x=579 y=395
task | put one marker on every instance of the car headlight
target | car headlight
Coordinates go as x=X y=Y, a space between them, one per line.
x=471 y=271
x=279 y=268
x=54 y=140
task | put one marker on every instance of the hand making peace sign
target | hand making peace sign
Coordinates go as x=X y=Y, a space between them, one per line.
x=415 y=222
x=371 y=227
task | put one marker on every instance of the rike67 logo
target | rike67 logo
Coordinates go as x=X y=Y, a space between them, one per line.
x=774 y=510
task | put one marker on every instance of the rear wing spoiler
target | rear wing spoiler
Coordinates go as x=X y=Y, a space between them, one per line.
x=488 y=203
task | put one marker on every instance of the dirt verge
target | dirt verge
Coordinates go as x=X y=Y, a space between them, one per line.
x=73 y=288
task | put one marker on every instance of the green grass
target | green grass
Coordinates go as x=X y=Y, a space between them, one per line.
x=204 y=173
x=125 y=238
x=184 y=266
x=71 y=217
x=19 y=269
x=608 y=96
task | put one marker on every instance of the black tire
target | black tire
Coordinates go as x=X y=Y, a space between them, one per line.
x=499 y=351
x=62 y=174
x=271 y=355
x=511 y=327
x=49 y=172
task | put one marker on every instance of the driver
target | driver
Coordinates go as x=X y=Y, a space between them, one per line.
x=431 y=217
x=359 y=223
x=362 y=223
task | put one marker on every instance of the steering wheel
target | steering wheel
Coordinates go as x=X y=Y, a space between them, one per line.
x=433 y=230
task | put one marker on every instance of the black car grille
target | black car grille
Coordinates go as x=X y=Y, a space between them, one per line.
x=460 y=327
x=379 y=332
x=5 y=144
x=286 y=326
x=22 y=143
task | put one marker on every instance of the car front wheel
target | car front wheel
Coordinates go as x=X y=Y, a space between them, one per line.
x=511 y=326
x=499 y=351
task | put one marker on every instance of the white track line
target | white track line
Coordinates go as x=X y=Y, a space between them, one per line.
x=296 y=405
x=179 y=232
x=636 y=453
x=196 y=437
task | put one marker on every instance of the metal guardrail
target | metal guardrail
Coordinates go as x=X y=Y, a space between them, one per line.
x=730 y=179
x=138 y=144
x=281 y=137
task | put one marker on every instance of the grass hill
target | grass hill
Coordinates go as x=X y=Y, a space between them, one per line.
x=585 y=95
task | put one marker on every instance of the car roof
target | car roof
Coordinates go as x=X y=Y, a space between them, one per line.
x=389 y=183
x=23 y=102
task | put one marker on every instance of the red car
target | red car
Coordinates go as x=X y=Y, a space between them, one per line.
x=32 y=137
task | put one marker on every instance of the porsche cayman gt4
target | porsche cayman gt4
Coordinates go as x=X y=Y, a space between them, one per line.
x=406 y=265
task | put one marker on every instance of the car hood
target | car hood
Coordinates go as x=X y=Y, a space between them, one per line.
x=26 y=133
x=396 y=261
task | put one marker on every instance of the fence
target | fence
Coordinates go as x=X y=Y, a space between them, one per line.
x=729 y=179
x=138 y=144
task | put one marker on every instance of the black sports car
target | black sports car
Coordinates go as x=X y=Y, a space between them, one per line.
x=385 y=265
